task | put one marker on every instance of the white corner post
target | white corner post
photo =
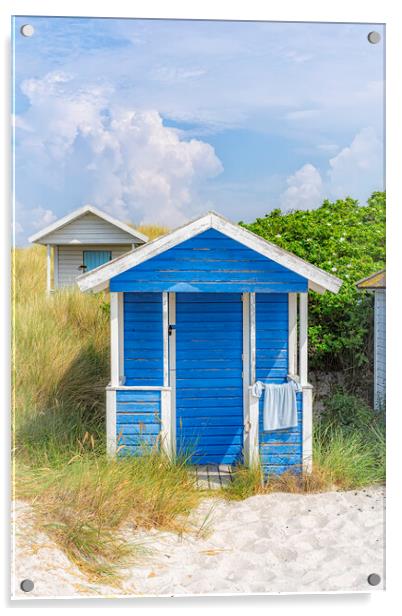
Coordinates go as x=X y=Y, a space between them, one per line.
x=55 y=267
x=48 y=268
x=116 y=368
x=116 y=338
x=292 y=318
x=111 y=435
x=306 y=387
x=167 y=440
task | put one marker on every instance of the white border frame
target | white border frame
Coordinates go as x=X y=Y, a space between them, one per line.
x=343 y=11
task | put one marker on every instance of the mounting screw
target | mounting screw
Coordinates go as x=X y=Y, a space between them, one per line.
x=27 y=30
x=374 y=579
x=27 y=585
x=374 y=37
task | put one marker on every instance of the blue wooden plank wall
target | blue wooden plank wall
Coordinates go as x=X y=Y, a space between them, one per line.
x=143 y=339
x=209 y=389
x=210 y=262
x=280 y=450
x=138 y=421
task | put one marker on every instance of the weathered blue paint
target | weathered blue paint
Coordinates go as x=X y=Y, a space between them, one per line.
x=208 y=273
x=143 y=339
x=209 y=262
x=137 y=421
x=280 y=450
x=209 y=388
x=94 y=258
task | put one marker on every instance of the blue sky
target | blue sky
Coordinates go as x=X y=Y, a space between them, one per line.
x=159 y=121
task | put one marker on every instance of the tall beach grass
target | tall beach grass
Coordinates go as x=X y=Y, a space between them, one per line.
x=60 y=370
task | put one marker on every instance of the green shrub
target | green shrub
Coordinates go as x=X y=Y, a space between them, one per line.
x=349 y=412
x=348 y=240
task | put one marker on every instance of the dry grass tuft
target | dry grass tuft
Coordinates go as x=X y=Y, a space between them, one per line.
x=153 y=231
x=93 y=507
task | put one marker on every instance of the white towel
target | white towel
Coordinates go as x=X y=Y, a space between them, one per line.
x=280 y=405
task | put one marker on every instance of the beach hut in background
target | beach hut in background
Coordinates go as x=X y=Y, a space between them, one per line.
x=376 y=283
x=81 y=241
x=197 y=317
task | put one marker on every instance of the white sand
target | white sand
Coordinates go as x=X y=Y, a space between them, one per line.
x=270 y=543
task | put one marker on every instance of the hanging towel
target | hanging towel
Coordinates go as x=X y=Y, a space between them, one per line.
x=280 y=405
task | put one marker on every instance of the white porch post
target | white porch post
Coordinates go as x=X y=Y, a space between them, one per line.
x=254 y=444
x=115 y=338
x=48 y=268
x=307 y=428
x=246 y=375
x=166 y=394
x=116 y=368
x=111 y=436
x=252 y=424
x=165 y=329
x=166 y=422
x=252 y=337
x=306 y=387
x=292 y=319
x=120 y=319
x=303 y=346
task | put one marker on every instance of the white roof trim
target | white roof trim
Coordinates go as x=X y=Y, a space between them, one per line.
x=97 y=279
x=62 y=222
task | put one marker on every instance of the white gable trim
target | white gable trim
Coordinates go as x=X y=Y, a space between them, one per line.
x=98 y=279
x=62 y=222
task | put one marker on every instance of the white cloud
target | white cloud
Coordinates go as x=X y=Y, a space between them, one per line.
x=358 y=169
x=129 y=162
x=41 y=217
x=304 y=189
x=356 y=172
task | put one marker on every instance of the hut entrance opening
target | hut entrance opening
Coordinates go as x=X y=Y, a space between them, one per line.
x=209 y=385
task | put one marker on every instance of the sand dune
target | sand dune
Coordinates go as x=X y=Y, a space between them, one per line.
x=270 y=543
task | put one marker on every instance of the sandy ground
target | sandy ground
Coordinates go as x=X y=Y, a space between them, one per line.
x=269 y=543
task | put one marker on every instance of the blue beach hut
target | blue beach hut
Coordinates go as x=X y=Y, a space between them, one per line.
x=197 y=317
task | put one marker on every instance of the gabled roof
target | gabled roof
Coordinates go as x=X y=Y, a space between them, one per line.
x=62 y=222
x=375 y=281
x=319 y=280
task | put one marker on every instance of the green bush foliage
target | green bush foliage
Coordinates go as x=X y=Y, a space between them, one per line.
x=345 y=239
x=349 y=412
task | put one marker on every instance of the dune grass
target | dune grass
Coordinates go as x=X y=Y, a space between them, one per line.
x=152 y=231
x=92 y=507
x=60 y=370
x=343 y=459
